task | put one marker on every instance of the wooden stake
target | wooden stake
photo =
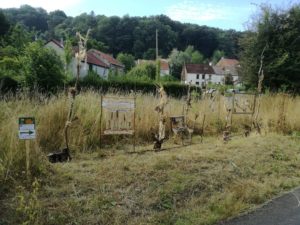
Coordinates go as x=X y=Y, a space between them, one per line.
x=27 y=146
x=101 y=110
x=232 y=109
x=134 y=131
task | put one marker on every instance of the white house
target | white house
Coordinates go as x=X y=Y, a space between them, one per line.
x=228 y=67
x=97 y=61
x=200 y=75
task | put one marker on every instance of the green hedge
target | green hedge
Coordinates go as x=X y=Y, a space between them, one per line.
x=173 y=89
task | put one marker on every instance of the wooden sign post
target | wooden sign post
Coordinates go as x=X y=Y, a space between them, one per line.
x=27 y=133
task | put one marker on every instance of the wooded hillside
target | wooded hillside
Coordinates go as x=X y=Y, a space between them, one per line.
x=134 y=35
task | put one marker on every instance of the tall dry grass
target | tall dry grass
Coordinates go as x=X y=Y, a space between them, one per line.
x=51 y=114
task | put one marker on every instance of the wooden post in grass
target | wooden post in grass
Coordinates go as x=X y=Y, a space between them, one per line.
x=134 y=129
x=27 y=146
x=27 y=133
x=101 y=111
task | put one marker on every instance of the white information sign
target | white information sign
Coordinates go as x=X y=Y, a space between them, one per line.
x=119 y=115
x=27 y=128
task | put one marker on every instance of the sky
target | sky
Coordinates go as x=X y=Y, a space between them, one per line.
x=224 y=14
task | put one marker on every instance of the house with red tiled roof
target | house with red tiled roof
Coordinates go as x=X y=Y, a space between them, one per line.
x=99 y=62
x=164 y=65
x=199 y=75
x=109 y=60
x=202 y=74
x=228 y=67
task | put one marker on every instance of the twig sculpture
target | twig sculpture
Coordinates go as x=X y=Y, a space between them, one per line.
x=161 y=136
x=261 y=77
x=179 y=124
x=80 y=56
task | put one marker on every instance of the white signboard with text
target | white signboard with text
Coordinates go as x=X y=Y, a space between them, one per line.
x=27 y=128
x=119 y=115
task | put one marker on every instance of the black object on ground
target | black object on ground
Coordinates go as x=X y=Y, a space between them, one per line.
x=62 y=156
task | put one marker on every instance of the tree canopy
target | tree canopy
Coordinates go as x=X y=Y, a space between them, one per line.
x=278 y=33
x=131 y=35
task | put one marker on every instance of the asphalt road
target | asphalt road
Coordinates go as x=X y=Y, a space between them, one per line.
x=284 y=210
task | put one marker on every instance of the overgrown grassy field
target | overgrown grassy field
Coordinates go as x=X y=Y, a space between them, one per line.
x=197 y=184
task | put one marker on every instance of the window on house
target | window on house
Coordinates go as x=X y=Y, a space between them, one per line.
x=203 y=76
x=197 y=83
x=90 y=67
x=209 y=76
x=197 y=76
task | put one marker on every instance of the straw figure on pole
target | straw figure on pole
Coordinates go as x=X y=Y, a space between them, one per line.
x=261 y=77
x=161 y=136
x=80 y=56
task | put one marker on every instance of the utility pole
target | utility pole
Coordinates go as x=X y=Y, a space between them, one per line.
x=157 y=59
x=156 y=44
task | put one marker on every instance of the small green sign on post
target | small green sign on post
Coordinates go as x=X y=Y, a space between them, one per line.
x=27 y=133
x=27 y=128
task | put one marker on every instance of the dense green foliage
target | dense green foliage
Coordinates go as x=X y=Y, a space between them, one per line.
x=278 y=32
x=132 y=35
x=127 y=60
x=129 y=38
x=144 y=72
x=178 y=58
x=45 y=69
x=4 y=24
x=173 y=89
x=28 y=63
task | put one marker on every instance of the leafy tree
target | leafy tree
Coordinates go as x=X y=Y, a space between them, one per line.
x=33 y=18
x=131 y=35
x=197 y=57
x=55 y=18
x=93 y=43
x=19 y=37
x=189 y=51
x=127 y=60
x=228 y=42
x=144 y=72
x=4 y=24
x=44 y=69
x=277 y=32
x=12 y=67
x=217 y=56
x=150 y=54
x=179 y=58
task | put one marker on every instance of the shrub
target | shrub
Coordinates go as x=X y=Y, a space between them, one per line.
x=173 y=89
x=8 y=84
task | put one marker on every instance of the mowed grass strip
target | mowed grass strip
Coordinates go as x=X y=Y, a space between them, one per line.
x=197 y=184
